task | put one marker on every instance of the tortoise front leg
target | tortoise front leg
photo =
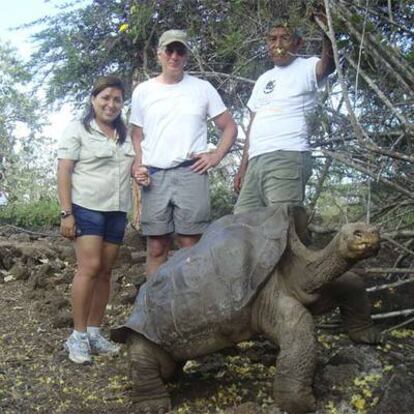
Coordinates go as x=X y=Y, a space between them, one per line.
x=348 y=292
x=290 y=325
x=148 y=366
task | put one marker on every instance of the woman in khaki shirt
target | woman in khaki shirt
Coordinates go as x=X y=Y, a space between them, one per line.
x=95 y=156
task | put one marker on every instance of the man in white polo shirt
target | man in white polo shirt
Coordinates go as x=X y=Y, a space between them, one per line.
x=276 y=162
x=169 y=116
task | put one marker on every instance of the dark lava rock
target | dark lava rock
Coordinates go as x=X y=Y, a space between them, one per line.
x=398 y=396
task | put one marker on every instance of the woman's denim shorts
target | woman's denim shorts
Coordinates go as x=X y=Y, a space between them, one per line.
x=108 y=224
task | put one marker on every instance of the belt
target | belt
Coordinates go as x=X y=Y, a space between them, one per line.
x=187 y=163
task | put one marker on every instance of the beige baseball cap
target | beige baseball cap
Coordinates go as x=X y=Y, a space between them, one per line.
x=171 y=36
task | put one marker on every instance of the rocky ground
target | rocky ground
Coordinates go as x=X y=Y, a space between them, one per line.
x=37 y=377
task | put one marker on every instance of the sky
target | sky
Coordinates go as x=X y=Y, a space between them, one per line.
x=14 y=13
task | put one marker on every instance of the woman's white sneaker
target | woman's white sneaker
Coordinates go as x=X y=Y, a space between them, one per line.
x=79 y=348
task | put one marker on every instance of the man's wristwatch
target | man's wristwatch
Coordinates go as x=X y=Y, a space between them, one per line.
x=65 y=213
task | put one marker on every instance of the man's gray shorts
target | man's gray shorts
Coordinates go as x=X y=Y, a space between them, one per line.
x=177 y=200
x=276 y=177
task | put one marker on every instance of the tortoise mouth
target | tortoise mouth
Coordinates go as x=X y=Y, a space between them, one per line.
x=365 y=248
x=368 y=249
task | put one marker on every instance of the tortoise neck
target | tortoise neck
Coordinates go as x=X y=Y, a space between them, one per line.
x=327 y=265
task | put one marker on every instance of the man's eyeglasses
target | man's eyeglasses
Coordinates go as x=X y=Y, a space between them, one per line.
x=179 y=48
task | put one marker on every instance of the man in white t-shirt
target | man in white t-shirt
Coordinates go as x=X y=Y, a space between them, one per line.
x=169 y=115
x=277 y=156
x=276 y=162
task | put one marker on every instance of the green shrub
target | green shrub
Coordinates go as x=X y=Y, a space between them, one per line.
x=222 y=198
x=41 y=213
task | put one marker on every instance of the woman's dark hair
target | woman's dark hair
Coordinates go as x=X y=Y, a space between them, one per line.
x=118 y=123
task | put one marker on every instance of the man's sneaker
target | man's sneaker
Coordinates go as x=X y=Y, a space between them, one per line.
x=79 y=349
x=100 y=345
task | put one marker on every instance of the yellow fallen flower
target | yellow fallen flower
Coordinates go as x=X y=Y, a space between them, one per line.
x=123 y=28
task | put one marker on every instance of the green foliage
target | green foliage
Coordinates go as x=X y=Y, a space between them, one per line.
x=23 y=164
x=341 y=203
x=17 y=108
x=222 y=195
x=410 y=56
x=121 y=36
x=41 y=213
x=77 y=45
x=138 y=21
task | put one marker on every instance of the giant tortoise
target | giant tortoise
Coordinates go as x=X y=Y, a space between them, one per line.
x=249 y=274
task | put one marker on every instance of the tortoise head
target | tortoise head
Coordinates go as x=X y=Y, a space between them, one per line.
x=358 y=241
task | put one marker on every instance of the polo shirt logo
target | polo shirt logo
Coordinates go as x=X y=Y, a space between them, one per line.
x=270 y=86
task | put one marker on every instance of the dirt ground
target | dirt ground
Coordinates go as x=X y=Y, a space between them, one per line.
x=37 y=377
